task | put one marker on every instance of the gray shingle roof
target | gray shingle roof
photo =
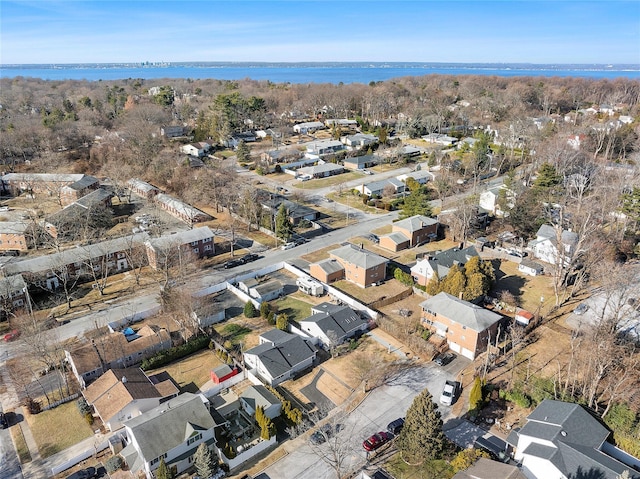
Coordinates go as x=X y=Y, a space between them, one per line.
x=14 y=227
x=280 y=358
x=329 y=266
x=12 y=285
x=165 y=427
x=460 y=311
x=397 y=237
x=259 y=395
x=358 y=256
x=415 y=223
x=341 y=320
x=181 y=238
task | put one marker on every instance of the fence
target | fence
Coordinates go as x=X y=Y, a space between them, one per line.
x=232 y=381
x=61 y=401
x=392 y=299
x=79 y=458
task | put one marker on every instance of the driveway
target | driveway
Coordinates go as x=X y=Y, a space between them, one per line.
x=379 y=408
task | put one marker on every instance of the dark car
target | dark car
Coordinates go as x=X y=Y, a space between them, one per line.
x=324 y=433
x=444 y=359
x=248 y=258
x=3 y=421
x=394 y=427
x=232 y=263
x=87 y=473
x=376 y=441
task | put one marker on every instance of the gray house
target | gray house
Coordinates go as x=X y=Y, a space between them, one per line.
x=333 y=324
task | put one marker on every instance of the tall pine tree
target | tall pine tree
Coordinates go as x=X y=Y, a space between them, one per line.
x=422 y=437
x=203 y=460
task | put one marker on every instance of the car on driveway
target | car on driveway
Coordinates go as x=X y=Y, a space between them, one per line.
x=376 y=441
x=581 y=309
x=4 y=423
x=394 y=427
x=10 y=336
x=444 y=359
x=86 y=473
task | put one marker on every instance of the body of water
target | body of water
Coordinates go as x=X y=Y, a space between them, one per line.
x=334 y=73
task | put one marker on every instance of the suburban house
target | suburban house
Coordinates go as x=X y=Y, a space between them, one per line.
x=65 y=221
x=101 y=259
x=281 y=156
x=333 y=324
x=321 y=171
x=360 y=162
x=546 y=248
x=174 y=131
x=440 y=263
x=327 y=270
x=279 y=356
x=359 y=140
x=180 y=209
x=390 y=186
x=262 y=290
x=234 y=140
x=562 y=440
x=182 y=246
x=13 y=294
x=467 y=327
x=341 y=122
x=15 y=235
x=485 y=468
x=440 y=139
x=321 y=148
x=142 y=188
x=171 y=431
x=410 y=232
x=115 y=350
x=259 y=396
x=198 y=149
x=490 y=198
x=121 y=394
x=76 y=190
x=308 y=127
x=420 y=176
x=530 y=267
x=361 y=267
x=33 y=183
x=296 y=212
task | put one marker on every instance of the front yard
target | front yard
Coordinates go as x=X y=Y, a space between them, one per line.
x=59 y=428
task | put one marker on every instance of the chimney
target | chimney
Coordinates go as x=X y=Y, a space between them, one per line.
x=460 y=295
x=124 y=379
x=361 y=245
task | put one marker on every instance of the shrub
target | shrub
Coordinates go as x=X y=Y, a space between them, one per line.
x=250 y=310
x=271 y=318
x=265 y=307
x=32 y=406
x=402 y=277
x=113 y=464
x=518 y=397
x=278 y=168
x=165 y=357
x=475 y=396
x=89 y=418
x=83 y=407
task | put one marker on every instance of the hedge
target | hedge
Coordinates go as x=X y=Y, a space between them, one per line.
x=163 y=358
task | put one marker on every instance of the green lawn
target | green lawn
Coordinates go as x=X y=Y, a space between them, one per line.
x=59 y=428
x=435 y=469
x=326 y=182
x=234 y=332
x=293 y=308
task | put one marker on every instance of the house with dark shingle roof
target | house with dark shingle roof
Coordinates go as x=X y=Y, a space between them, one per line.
x=279 y=356
x=466 y=326
x=121 y=394
x=563 y=440
x=327 y=270
x=259 y=396
x=440 y=263
x=410 y=232
x=552 y=245
x=332 y=324
x=361 y=267
x=171 y=431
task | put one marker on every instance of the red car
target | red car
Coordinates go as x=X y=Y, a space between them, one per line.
x=376 y=441
x=12 y=335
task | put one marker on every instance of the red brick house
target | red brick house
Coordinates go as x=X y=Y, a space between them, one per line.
x=165 y=251
x=410 y=232
x=361 y=267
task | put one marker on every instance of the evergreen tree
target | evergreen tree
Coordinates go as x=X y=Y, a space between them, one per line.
x=547 y=177
x=243 y=153
x=422 y=437
x=163 y=472
x=250 y=310
x=265 y=307
x=476 y=287
x=203 y=459
x=283 y=225
x=475 y=395
x=455 y=281
x=416 y=203
x=282 y=322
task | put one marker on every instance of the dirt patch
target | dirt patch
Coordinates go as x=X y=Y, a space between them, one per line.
x=390 y=288
x=333 y=389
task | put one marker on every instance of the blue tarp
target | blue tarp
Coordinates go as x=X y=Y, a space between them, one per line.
x=128 y=332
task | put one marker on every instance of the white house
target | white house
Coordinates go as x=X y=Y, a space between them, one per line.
x=279 y=356
x=376 y=188
x=308 y=127
x=359 y=140
x=318 y=149
x=562 y=440
x=530 y=267
x=171 y=431
x=332 y=324
x=195 y=149
x=489 y=200
x=258 y=395
x=440 y=263
x=549 y=248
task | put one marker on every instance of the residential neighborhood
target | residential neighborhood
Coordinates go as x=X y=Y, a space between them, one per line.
x=255 y=287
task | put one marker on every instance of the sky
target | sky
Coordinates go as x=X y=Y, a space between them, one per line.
x=116 y=31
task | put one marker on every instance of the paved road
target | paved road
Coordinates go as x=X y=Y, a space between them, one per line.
x=9 y=463
x=380 y=407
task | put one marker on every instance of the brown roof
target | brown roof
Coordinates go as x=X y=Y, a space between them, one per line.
x=167 y=388
x=488 y=469
x=116 y=388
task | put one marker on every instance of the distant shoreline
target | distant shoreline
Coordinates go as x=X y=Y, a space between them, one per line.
x=308 y=72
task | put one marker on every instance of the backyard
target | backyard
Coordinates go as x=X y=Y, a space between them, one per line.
x=191 y=372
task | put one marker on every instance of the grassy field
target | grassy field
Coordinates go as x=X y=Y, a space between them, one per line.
x=293 y=308
x=528 y=289
x=24 y=455
x=326 y=182
x=59 y=428
x=192 y=372
x=354 y=201
x=368 y=295
x=435 y=469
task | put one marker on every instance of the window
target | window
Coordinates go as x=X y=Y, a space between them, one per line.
x=207 y=247
x=194 y=243
x=193 y=439
x=157 y=459
x=196 y=250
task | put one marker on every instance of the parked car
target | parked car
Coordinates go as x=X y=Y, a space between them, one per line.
x=232 y=263
x=376 y=441
x=289 y=245
x=367 y=172
x=248 y=258
x=86 y=473
x=394 y=427
x=3 y=421
x=450 y=392
x=299 y=241
x=10 y=336
x=444 y=359
x=581 y=309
